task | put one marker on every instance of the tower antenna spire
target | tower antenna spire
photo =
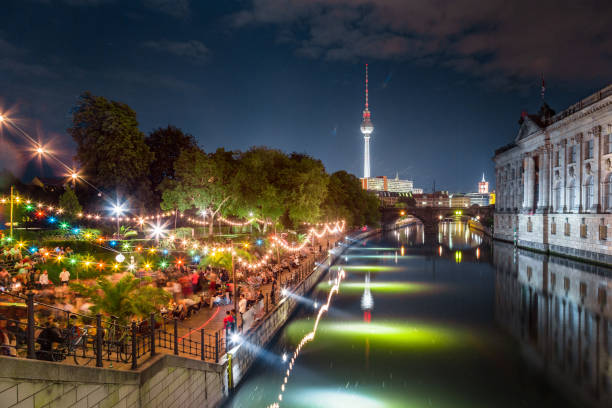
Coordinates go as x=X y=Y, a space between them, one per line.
x=366 y=129
x=366 y=88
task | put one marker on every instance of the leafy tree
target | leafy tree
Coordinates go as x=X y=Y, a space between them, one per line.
x=347 y=200
x=110 y=146
x=306 y=188
x=203 y=181
x=125 y=299
x=261 y=182
x=70 y=203
x=167 y=144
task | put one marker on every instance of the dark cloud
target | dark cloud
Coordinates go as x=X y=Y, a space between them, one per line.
x=520 y=39
x=193 y=49
x=174 y=8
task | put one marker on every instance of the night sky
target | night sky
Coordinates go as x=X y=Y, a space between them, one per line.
x=448 y=79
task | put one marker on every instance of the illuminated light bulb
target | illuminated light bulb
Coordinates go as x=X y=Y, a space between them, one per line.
x=40 y=150
x=284 y=356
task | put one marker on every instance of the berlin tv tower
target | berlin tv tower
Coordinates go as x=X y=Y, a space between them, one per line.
x=366 y=128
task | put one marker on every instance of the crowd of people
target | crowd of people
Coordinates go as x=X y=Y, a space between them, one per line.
x=192 y=287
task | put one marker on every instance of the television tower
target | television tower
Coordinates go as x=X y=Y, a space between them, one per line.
x=366 y=128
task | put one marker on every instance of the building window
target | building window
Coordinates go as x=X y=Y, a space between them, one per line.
x=588 y=154
x=608 y=144
x=557 y=159
x=588 y=193
x=572 y=195
x=572 y=154
x=583 y=229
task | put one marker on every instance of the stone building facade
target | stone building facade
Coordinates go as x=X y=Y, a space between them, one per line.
x=554 y=182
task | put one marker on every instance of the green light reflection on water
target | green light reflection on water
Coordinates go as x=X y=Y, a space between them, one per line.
x=405 y=336
x=368 y=268
x=365 y=397
x=398 y=257
x=382 y=287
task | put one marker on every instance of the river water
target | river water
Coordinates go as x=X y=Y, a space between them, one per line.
x=450 y=320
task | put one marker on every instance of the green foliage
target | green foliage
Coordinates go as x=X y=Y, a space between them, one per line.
x=125 y=299
x=70 y=203
x=347 y=200
x=126 y=231
x=167 y=144
x=223 y=259
x=110 y=147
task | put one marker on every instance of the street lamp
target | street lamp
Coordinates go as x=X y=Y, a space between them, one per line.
x=158 y=231
x=118 y=210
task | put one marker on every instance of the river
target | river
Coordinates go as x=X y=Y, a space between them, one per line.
x=450 y=320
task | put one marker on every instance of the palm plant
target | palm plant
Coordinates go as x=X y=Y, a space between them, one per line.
x=127 y=231
x=125 y=299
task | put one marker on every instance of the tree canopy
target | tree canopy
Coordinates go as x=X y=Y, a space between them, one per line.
x=70 y=203
x=346 y=199
x=110 y=147
x=166 y=144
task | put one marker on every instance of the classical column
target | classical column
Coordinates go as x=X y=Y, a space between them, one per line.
x=531 y=183
x=596 y=170
x=563 y=160
x=580 y=171
x=526 y=189
x=544 y=176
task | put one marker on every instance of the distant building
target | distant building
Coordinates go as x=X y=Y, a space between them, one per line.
x=437 y=199
x=382 y=183
x=479 y=199
x=459 y=200
x=389 y=198
x=482 y=197
x=483 y=186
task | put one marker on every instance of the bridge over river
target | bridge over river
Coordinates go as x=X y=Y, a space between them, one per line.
x=432 y=216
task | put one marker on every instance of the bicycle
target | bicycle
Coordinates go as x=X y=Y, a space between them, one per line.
x=73 y=339
x=118 y=342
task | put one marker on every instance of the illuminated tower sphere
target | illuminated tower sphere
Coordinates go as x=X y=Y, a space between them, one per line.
x=366 y=128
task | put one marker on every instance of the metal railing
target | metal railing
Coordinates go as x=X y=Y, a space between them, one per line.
x=91 y=340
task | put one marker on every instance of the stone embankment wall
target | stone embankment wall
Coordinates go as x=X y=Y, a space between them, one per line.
x=583 y=236
x=166 y=381
x=259 y=337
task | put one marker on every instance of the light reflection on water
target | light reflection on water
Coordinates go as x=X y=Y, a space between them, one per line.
x=451 y=323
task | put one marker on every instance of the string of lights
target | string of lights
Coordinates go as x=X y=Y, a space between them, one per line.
x=309 y=336
x=338 y=227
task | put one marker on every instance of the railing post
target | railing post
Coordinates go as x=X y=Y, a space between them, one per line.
x=201 y=344
x=152 y=334
x=99 y=335
x=134 y=349
x=30 y=328
x=176 y=337
x=216 y=347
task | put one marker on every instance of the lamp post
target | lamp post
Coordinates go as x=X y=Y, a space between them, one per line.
x=118 y=210
x=11 y=213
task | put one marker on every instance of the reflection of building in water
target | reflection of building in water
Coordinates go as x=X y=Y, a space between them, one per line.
x=560 y=312
x=458 y=236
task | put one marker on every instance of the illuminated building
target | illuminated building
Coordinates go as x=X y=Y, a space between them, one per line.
x=554 y=181
x=382 y=183
x=483 y=186
x=367 y=127
x=459 y=200
x=437 y=199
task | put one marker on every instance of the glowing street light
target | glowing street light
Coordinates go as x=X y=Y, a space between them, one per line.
x=40 y=150
x=158 y=231
x=1 y=118
x=117 y=210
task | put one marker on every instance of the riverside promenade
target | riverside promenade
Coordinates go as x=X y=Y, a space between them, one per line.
x=169 y=377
